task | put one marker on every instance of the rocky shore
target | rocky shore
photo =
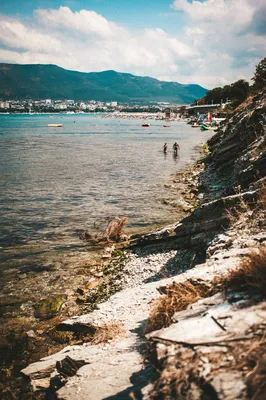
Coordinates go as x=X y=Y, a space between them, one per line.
x=166 y=317
x=45 y=283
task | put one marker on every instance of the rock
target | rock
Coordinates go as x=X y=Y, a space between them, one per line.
x=230 y=146
x=156 y=235
x=80 y=291
x=202 y=329
x=76 y=326
x=226 y=388
x=98 y=274
x=69 y=367
x=95 y=382
x=40 y=374
x=7 y=395
x=48 y=308
x=31 y=333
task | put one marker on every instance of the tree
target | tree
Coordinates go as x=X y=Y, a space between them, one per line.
x=239 y=90
x=236 y=92
x=259 y=77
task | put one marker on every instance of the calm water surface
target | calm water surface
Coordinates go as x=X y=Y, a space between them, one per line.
x=56 y=181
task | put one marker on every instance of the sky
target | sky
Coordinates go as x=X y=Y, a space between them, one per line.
x=207 y=42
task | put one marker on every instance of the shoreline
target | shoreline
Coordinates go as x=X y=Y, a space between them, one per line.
x=200 y=329
x=77 y=271
x=160 y=116
x=185 y=304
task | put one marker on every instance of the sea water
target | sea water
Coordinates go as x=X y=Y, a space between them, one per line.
x=56 y=182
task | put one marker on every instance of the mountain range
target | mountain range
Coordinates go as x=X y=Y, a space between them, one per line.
x=39 y=81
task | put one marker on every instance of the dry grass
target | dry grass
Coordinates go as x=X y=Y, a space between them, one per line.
x=249 y=212
x=235 y=213
x=114 y=231
x=256 y=377
x=262 y=196
x=178 y=296
x=115 y=228
x=108 y=332
x=250 y=276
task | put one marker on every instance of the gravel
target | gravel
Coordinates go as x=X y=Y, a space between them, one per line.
x=151 y=265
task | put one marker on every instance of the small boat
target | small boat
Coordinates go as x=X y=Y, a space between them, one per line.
x=146 y=125
x=167 y=126
x=54 y=125
x=195 y=126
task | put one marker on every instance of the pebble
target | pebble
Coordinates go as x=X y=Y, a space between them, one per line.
x=139 y=267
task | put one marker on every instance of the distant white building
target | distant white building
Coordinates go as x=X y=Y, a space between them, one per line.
x=48 y=101
x=61 y=106
x=83 y=106
x=113 y=103
x=4 y=104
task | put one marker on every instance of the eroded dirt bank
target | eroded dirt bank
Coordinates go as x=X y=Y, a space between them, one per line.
x=181 y=325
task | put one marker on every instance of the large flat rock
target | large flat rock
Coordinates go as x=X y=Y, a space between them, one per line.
x=220 y=323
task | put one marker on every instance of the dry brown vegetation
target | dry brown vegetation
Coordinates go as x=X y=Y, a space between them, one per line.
x=250 y=275
x=262 y=196
x=177 y=297
x=239 y=210
x=115 y=228
x=181 y=375
x=245 y=210
x=255 y=361
x=114 y=231
x=108 y=332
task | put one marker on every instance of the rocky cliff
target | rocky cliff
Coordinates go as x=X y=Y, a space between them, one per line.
x=189 y=319
x=238 y=149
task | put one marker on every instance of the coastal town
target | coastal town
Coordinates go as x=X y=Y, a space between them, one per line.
x=159 y=110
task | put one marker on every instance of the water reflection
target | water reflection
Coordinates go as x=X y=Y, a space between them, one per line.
x=176 y=156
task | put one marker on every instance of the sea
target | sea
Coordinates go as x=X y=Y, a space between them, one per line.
x=58 y=182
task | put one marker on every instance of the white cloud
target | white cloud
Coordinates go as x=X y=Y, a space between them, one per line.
x=219 y=43
x=220 y=31
x=238 y=11
x=88 y=42
x=17 y=36
x=86 y=22
x=28 y=57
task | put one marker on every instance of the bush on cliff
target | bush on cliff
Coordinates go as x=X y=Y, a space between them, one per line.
x=237 y=92
x=250 y=276
x=259 y=77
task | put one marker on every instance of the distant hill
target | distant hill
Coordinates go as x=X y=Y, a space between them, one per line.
x=38 y=81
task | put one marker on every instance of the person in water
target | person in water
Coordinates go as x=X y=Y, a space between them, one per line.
x=176 y=147
x=165 y=148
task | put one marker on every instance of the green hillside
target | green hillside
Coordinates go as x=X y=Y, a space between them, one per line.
x=37 y=81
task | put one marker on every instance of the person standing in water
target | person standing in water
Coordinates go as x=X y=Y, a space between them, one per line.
x=176 y=147
x=165 y=148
